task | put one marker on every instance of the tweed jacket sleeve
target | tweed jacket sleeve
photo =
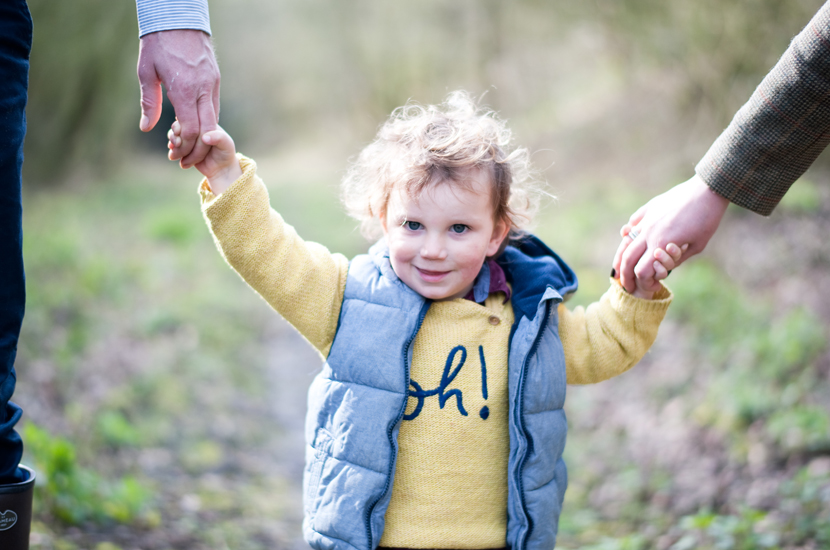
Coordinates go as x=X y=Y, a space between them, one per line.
x=609 y=336
x=302 y=280
x=781 y=130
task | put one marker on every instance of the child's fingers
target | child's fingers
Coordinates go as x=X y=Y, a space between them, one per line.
x=675 y=251
x=219 y=139
x=173 y=140
x=660 y=271
x=664 y=259
x=669 y=258
x=615 y=271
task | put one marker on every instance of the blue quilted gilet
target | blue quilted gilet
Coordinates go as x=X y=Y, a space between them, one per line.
x=357 y=402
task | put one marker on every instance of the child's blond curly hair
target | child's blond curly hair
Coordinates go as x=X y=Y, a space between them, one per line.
x=420 y=146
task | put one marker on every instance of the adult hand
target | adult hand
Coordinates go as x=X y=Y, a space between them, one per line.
x=184 y=62
x=688 y=213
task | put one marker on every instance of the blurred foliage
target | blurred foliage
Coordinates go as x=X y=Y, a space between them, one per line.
x=764 y=364
x=83 y=93
x=631 y=542
x=300 y=66
x=717 y=532
x=758 y=386
x=74 y=494
x=720 y=48
x=808 y=496
x=141 y=362
x=804 y=197
x=805 y=498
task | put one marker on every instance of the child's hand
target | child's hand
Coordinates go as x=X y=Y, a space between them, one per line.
x=220 y=166
x=664 y=261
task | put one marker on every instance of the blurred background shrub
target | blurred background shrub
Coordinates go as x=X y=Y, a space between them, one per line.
x=317 y=66
x=82 y=87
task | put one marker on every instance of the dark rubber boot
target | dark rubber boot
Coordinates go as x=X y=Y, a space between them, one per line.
x=16 y=512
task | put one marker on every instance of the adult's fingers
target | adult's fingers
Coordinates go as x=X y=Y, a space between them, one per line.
x=618 y=255
x=630 y=258
x=214 y=96
x=638 y=216
x=207 y=123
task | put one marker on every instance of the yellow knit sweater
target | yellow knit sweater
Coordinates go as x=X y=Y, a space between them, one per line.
x=450 y=485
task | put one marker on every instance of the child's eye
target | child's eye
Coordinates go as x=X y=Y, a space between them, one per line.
x=458 y=228
x=412 y=226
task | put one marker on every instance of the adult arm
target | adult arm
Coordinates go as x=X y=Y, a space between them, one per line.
x=769 y=144
x=176 y=50
x=610 y=336
x=781 y=130
x=301 y=280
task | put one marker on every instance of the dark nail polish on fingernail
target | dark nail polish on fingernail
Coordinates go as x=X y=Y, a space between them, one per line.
x=613 y=273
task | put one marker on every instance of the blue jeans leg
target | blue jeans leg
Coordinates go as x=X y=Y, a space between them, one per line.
x=15 y=45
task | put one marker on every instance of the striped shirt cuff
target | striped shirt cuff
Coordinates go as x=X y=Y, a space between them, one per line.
x=166 y=15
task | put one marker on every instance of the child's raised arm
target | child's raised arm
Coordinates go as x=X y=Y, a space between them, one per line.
x=220 y=166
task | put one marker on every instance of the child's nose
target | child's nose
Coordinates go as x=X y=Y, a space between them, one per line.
x=434 y=248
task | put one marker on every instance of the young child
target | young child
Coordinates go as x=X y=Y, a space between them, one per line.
x=437 y=420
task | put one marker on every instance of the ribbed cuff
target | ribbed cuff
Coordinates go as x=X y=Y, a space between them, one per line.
x=659 y=302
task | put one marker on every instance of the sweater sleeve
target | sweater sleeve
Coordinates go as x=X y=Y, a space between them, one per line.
x=610 y=336
x=781 y=130
x=301 y=280
x=168 y=15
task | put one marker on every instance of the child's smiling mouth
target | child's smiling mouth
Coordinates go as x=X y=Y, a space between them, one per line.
x=431 y=276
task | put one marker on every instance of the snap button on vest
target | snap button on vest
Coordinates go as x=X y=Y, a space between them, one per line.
x=494 y=320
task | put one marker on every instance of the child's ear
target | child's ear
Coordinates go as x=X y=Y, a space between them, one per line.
x=500 y=231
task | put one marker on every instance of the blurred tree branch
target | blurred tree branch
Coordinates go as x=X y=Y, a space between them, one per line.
x=83 y=96
x=721 y=49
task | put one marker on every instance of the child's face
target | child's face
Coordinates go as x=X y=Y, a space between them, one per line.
x=439 y=241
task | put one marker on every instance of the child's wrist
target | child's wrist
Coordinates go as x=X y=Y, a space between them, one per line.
x=220 y=181
x=644 y=294
x=638 y=292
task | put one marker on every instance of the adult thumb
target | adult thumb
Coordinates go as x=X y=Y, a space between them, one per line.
x=150 y=103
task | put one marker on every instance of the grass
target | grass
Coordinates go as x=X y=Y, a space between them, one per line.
x=753 y=403
x=138 y=343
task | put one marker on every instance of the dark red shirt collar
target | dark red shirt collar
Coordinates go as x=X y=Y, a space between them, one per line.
x=497 y=283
